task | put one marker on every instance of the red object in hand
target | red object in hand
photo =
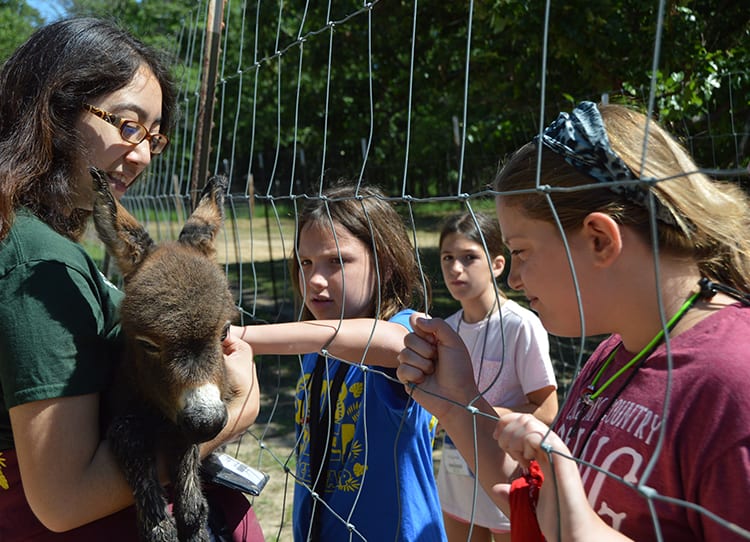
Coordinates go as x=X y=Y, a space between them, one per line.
x=524 y=494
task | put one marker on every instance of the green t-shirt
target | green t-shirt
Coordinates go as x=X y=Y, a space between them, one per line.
x=59 y=321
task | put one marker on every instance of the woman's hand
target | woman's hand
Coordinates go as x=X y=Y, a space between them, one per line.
x=242 y=377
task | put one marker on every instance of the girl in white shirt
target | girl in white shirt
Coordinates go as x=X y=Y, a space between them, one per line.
x=509 y=350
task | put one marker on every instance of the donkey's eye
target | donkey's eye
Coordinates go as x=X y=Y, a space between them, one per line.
x=225 y=331
x=147 y=344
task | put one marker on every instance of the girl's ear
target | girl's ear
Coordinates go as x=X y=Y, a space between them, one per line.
x=603 y=236
x=498 y=265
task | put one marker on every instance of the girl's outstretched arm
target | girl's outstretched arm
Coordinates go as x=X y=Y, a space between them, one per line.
x=562 y=499
x=368 y=340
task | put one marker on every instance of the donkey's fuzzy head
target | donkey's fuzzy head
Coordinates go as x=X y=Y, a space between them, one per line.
x=176 y=310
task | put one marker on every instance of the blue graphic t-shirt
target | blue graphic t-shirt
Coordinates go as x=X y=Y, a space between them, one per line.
x=380 y=474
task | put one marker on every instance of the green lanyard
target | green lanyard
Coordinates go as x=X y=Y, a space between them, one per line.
x=592 y=392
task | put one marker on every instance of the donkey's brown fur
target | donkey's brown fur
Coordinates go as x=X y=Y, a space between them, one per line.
x=170 y=387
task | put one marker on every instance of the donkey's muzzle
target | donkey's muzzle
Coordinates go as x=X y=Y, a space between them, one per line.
x=203 y=415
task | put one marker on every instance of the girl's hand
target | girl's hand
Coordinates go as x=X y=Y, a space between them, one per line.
x=436 y=360
x=562 y=500
x=521 y=436
x=241 y=332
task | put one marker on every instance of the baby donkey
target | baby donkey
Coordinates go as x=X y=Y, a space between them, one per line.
x=170 y=388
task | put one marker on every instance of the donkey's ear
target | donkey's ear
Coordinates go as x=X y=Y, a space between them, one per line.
x=125 y=239
x=204 y=224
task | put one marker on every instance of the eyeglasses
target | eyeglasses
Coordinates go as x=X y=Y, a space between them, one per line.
x=130 y=130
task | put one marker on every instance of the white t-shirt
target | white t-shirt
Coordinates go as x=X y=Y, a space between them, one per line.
x=510 y=354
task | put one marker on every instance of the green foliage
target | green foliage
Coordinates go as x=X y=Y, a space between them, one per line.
x=156 y=22
x=295 y=81
x=18 y=20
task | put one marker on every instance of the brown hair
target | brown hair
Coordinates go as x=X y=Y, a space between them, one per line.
x=476 y=226
x=711 y=218
x=369 y=217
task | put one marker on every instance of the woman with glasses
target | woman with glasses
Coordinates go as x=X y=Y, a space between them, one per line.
x=79 y=93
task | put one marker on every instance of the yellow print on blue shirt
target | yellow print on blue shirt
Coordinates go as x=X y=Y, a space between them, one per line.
x=346 y=465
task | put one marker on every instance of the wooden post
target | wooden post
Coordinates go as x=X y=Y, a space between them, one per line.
x=209 y=73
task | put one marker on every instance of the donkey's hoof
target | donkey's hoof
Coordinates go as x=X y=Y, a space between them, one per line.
x=201 y=535
x=164 y=531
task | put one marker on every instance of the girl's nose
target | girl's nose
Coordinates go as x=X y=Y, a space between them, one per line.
x=316 y=278
x=514 y=279
x=455 y=267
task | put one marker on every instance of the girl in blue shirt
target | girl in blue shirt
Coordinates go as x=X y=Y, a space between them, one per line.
x=364 y=453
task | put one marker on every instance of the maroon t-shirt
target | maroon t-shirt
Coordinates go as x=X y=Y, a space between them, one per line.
x=18 y=523
x=704 y=457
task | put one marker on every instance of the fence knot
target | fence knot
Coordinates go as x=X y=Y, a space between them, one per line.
x=648 y=492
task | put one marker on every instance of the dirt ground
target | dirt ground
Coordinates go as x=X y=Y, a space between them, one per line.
x=274 y=505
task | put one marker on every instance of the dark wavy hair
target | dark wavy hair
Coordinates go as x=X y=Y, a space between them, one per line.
x=371 y=218
x=42 y=87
